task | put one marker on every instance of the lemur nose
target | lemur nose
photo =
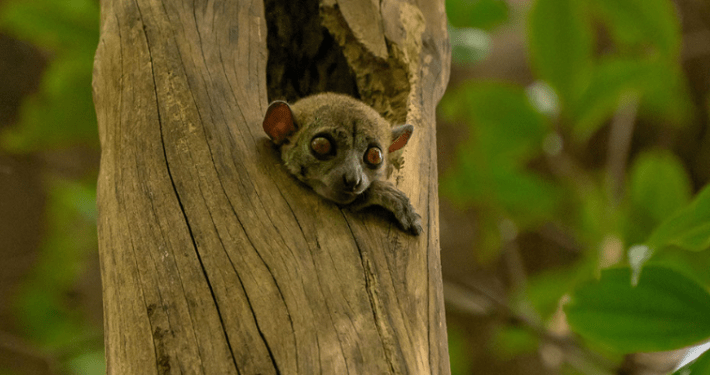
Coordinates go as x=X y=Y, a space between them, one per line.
x=351 y=181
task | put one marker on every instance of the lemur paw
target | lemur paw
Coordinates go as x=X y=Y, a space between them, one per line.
x=395 y=201
x=408 y=219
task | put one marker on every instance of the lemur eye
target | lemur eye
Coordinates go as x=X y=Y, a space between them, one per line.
x=373 y=156
x=321 y=146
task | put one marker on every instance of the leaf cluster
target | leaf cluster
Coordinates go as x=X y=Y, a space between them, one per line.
x=59 y=118
x=604 y=70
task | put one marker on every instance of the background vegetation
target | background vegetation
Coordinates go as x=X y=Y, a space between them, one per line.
x=55 y=325
x=597 y=152
x=574 y=153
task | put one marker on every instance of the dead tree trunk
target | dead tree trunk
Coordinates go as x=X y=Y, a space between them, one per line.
x=214 y=260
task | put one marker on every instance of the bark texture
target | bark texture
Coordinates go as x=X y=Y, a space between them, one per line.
x=214 y=260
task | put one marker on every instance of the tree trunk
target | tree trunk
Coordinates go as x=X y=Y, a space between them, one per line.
x=214 y=260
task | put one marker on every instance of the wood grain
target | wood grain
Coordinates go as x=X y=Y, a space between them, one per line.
x=214 y=260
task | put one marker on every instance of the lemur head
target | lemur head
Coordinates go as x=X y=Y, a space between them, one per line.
x=335 y=144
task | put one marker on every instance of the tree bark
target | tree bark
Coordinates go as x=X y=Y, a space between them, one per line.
x=213 y=259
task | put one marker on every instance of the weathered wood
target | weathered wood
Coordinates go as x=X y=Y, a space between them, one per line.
x=214 y=260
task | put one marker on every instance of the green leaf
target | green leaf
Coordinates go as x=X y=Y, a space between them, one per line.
x=659 y=184
x=468 y=45
x=560 y=43
x=658 y=187
x=506 y=132
x=514 y=189
x=700 y=366
x=61 y=114
x=594 y=220
x=53 y=24
x=688 y=229
x=612 y=79
x=692 y=263
x=664 y=311
x=667 y=100
x=505 y=126
x=480 y=14
x=656 y=83
x=643 y=24
x=508 y=342
x=89 y=363
x=545 y=289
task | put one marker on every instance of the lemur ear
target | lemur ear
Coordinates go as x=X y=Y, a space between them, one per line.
x=400 y=136
x=278 y=121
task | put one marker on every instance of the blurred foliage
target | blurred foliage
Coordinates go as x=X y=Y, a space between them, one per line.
x=473 y=44
x=62 y=113
x=688 y=229
x=457 y=349
x=658 y=177
x=468 y=22
x=600 y=65
x=71 y=237
x=518 y=170
x=58 y=117
x=478 y=14
x=664 y=311
x=509 y=342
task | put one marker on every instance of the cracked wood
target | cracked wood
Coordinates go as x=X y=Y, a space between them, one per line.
x=216 y=261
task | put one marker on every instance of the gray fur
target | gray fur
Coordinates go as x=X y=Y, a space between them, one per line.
x=343 y=175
